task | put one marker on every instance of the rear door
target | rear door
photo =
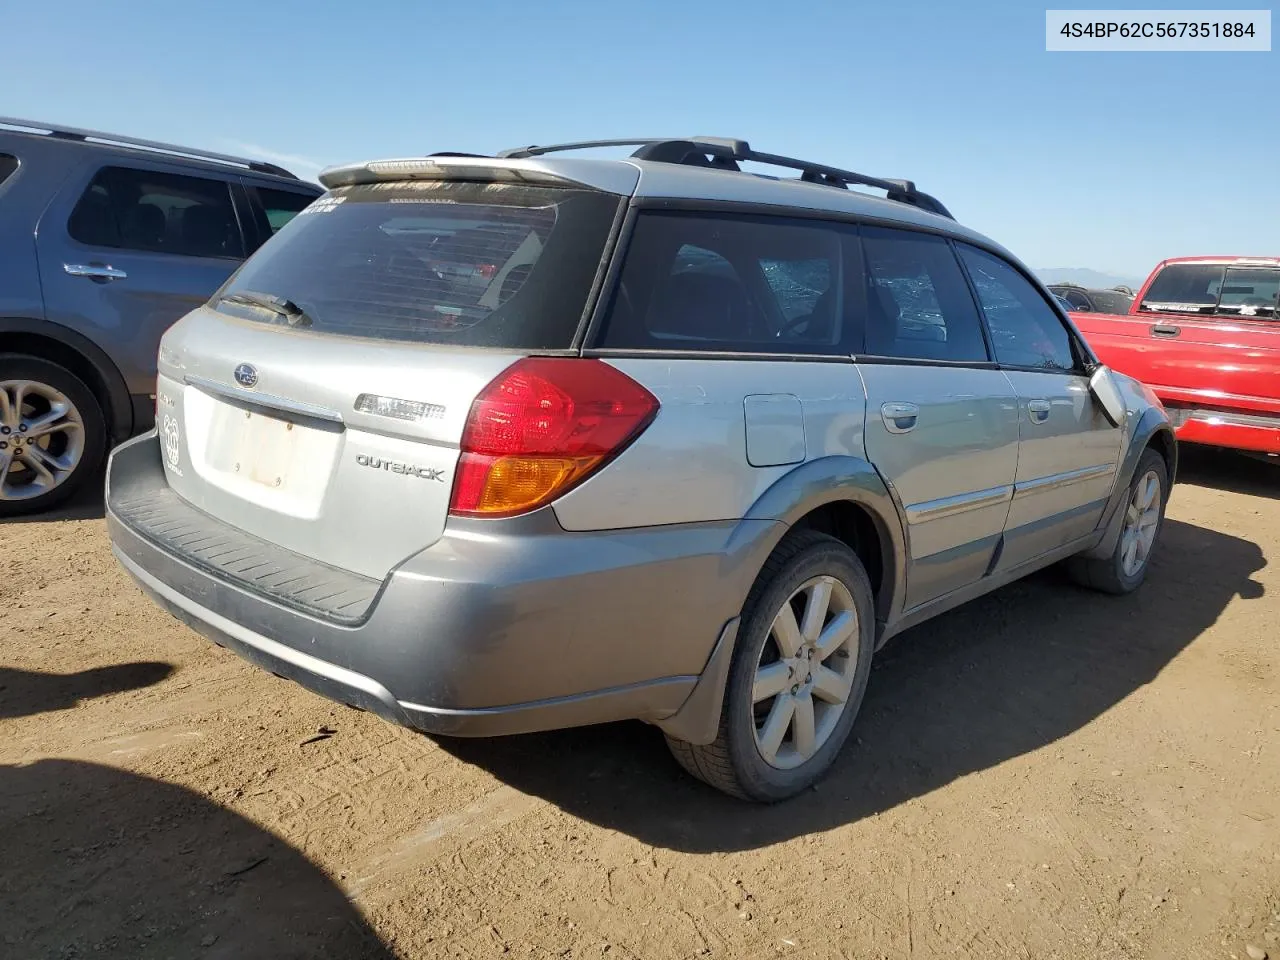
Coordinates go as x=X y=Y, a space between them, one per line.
x=942 y=420
x=1206 y=335
x=1068 y=451
x=128 y=249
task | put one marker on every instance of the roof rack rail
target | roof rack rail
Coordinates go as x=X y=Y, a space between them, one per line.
x=726 y=154
x=74 y=133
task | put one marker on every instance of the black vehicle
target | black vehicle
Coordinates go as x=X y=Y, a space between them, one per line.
x=1086 y=300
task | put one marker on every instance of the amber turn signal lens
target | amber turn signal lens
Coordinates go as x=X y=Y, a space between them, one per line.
x=542 y=427
x=515 y=484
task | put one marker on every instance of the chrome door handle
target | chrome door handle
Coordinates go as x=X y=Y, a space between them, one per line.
x=1165 y=330
x=1039 y=410
x=899 y=417
x=94 y=271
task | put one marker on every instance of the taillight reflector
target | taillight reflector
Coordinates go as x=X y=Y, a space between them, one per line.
x=542 y=427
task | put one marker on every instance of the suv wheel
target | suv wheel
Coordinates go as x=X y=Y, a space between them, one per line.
x=52 y=434
x=1126 y=568
x=798 y=675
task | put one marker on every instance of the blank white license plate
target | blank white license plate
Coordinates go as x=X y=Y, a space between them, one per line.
x=252 y=445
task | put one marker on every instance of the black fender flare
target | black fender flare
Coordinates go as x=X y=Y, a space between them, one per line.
x=777 y=510
x=110 y=385
x=832 y=479
x=1153 y=424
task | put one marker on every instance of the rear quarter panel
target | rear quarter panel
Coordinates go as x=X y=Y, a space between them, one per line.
x=692 y=464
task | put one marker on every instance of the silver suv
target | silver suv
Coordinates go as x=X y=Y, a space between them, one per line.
x=489 y=445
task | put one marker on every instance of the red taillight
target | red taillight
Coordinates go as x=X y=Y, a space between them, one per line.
x=541 y=428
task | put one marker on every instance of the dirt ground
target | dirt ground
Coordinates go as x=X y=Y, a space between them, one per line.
x=1044 y=773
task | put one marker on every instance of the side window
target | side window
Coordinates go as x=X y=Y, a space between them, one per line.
x=158 y=213
x=8 y=164
x=1250 y=292
x=1076 y=298
x=797 y=285
x=1025 y=330
x=918 y=304
x=696 y=281
x=281 y=206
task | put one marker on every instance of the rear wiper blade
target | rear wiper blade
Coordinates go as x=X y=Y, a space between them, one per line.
x=281 y=306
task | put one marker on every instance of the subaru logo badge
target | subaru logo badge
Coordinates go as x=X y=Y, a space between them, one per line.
x=247 y=375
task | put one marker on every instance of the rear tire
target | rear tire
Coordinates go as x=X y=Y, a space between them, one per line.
x=798 y=675
x=52 y=431
x=1126 y=568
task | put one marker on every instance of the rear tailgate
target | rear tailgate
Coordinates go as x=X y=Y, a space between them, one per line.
x=331 y=427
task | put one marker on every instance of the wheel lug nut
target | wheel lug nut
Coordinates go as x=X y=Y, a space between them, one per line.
x=22 y=428
x=4 y=430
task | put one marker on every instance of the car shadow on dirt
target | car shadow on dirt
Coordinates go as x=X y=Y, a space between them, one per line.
x=1227 y=470
x=26 y=692
x=1004 y=675
x=102 y=862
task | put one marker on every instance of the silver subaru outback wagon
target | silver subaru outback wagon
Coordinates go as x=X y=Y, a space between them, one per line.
x=489 y=445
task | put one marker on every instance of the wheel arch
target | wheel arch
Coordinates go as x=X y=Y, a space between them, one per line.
x=1152 y=431
x=60 y=345
x=844 y=497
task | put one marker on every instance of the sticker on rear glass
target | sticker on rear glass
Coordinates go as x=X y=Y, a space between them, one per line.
x=322 y=205
x=172 y=448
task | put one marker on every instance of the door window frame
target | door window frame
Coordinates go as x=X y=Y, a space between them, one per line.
x=1085 y=361
x=75 y=188
x=855 y=295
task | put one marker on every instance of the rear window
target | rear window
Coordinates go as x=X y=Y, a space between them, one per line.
x=1108 y=301
x=1214 y=289
x=459 y=264
x=8 y=164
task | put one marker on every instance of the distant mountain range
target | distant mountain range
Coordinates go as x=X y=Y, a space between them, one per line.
x=1093 y=279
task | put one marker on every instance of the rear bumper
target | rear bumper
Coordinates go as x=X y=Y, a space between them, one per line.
x=1241 y=430
x=500 y=627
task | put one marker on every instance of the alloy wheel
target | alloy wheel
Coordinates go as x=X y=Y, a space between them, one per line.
x=1142 y=519
x=42 y=439
x=805 y=674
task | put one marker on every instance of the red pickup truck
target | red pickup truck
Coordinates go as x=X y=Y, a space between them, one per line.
x=1204 y=334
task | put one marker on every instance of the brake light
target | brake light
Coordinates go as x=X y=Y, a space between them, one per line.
x=542 y=427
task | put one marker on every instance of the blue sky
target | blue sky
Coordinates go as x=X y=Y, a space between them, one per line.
x=1107 y=161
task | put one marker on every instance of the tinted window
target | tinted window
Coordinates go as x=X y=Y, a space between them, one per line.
x=281 y=206
x=705 y=282
x=1076 y=298
x=1233 y=291
x=467 y=264
x=157 y=212
x=1025 y=330
x=918 y=304
x=1249 y=292
x=1112 y=301
x=8 y=164
x=1184 y=288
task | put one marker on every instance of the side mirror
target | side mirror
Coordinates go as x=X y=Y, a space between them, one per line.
x=1107 y=395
